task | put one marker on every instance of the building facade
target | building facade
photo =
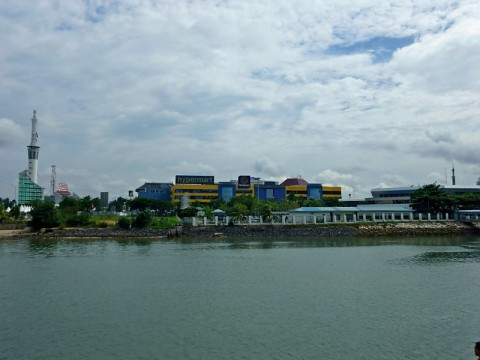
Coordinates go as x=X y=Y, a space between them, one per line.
x=156 y=191
x=190 y=189
x=28 y=191
x=401 y=195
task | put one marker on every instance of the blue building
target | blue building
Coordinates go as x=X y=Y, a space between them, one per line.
x=270 y=190
x=155 y=191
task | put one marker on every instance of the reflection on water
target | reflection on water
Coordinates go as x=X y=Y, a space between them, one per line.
x=50 y=247
x=275 y=243
x=448 y=256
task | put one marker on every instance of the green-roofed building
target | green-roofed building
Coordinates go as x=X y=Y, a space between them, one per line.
x=28 y=190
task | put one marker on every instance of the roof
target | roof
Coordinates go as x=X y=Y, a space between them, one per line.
x=294 y=181
x=153 y=185
x=355 y=209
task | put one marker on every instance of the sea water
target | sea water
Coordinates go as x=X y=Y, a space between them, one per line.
x=332 y=298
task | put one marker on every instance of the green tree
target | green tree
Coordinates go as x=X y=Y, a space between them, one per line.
x=124 y=222
x=88 y=204
x=207 y=210
x=266 y=211
x=238 y=211
x=3 y=213
x=44 y=215
x=75 y=212
x=69 y=207
x=118 y=204
x=187 y=212
x=467 y=201
x=142 y=220
x=430 y=198
x=15 y=212
x=162 y=205
x=330 y=202
x=141 y=203
x=285 y=205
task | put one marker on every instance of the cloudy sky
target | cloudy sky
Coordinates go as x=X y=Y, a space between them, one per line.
x=360 y=94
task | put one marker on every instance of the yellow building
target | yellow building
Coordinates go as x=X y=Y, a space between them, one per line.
x=203 y=189
x=332 y=192
x=203 y=193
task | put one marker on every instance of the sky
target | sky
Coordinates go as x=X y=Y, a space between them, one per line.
x=358 y=94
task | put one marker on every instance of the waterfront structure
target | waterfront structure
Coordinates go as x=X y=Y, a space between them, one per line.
x=313 y=215
x=401 y=195
x=352 y=214
x=28 y=189
x=189 y=189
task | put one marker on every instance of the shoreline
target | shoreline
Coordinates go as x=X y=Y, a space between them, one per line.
x=386 y=229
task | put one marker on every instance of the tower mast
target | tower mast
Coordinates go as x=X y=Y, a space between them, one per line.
x=53 y=179
x=453 y=175
x=33 y=151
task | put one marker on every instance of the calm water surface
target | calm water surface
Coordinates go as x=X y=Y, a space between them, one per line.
x=231 y=299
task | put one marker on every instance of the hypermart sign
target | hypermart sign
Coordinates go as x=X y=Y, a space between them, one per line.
x=244 y=181
x=194 y=179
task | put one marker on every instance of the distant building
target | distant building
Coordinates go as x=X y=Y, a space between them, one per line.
x=401 y=195
x=104 y=200
x=204 y=189
x=28 y=191
x=61 y=193
x=154 y=190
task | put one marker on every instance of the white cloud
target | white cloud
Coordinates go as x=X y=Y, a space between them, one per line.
x=135 y=90
x=10 y=132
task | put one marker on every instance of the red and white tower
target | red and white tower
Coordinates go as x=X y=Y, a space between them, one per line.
x=33 y=151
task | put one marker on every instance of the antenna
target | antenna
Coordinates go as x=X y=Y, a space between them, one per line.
x=53 y=179
x=453 y=175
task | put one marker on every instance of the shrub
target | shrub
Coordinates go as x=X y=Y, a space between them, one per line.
x=82 y=219
x=124 y=223
x=142 y=220
x=44 y=215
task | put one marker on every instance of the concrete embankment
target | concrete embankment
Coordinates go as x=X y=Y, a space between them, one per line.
x=266 y=231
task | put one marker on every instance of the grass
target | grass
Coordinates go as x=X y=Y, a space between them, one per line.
x=158 y=222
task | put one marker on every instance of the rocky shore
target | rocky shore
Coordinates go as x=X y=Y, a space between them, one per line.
x=351 y=230
x=262 y=231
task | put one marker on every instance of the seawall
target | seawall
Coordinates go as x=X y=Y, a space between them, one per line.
x=352 y=230
x=264 y=231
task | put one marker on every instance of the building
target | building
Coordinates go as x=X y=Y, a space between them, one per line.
x=189 y=189
x=317 y=215
x=103 y=200
x=401 y=195
x=154 y=190
x=28 y=189
x=198 y=189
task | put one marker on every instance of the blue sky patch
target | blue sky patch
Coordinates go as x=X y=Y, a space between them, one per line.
x=381 y=48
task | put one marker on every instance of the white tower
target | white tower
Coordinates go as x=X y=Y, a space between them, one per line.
x=53 y=179
x=33 y=151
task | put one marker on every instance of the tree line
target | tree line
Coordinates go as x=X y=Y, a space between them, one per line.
x=430 y=198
